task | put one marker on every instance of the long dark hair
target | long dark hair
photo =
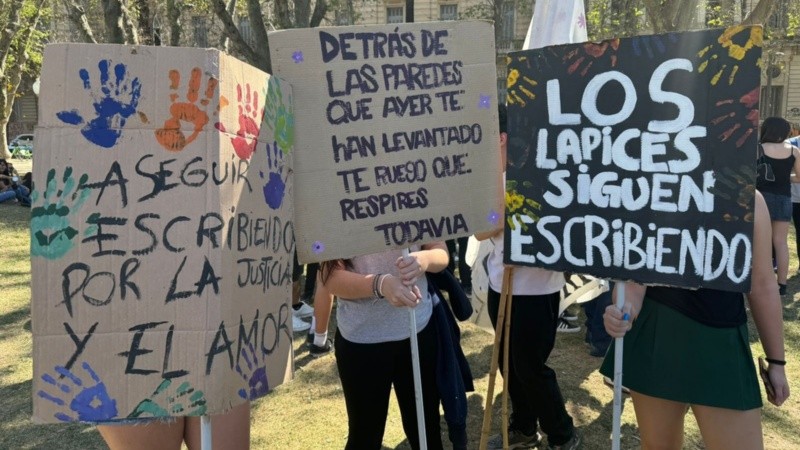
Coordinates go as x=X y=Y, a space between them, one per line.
x=775 y=130
x=326 y=268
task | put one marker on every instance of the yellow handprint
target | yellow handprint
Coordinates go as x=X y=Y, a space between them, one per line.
x=735 y=51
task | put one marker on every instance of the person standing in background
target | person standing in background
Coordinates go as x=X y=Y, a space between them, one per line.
x=794 y=141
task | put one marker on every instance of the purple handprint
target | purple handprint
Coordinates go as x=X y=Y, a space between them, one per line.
x=255 y=374
x=114 y=104
x=275 y=188
x=88 y=403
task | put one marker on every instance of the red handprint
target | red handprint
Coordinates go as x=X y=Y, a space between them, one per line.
x=582 y=58
x=171 y=136
x=733 y=123
x=250 y=117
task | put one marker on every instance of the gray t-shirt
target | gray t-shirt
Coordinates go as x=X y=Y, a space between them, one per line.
x=372 y=320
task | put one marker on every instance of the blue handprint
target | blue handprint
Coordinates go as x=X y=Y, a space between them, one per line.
x=163 y=404
x=88 y=403
x=275 y=188
x=116 y=101
x=52 y=233
x=255 y=374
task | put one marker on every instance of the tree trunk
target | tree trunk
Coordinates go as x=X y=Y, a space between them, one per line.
x=145 y=22
x=112 y=16
x=131 y=34
x=760 y=14
x=77 y=15
x=235 y=36
x=224 y=42
x=259 y=30
x=321 y=8
x=174 y=18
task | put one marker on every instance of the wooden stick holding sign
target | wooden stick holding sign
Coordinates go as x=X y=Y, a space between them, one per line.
x=412 y=320
x=618 y=344
x=503 y=308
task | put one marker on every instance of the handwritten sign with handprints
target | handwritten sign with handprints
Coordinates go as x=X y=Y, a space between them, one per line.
x=162 y=242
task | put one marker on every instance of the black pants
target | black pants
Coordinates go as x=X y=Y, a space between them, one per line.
x=367 y=373
x=796 y=221
x=464 y=270
x=532 y=386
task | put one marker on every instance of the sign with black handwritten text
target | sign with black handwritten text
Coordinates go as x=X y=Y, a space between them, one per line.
x=161 y=233
x=399 y=142
x=634 y=158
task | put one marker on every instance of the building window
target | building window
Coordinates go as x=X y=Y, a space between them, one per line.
x=247 y=32
x=507 y=21
x=343 y=18
x=395 y=14
x=200 y=31
x=501 y=91
x=771 y=101
x=448 y=12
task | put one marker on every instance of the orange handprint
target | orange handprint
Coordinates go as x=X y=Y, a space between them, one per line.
x=250 y=117
x=171 y=137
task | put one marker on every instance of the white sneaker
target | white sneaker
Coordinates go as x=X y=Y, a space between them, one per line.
x=565 y=326
x=304 y=311
x=299 y=324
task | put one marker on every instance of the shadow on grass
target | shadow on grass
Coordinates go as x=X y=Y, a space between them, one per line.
x=17 y=430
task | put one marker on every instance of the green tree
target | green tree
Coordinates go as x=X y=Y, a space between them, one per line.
x=20 y=54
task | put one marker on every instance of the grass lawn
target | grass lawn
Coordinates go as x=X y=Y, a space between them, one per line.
x=309 y=412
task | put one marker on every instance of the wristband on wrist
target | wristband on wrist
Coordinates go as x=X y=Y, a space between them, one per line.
x=375 y=280
x=380 y=285
x=777 y=362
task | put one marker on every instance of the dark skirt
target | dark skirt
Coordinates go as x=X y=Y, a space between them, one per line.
x=668 y=355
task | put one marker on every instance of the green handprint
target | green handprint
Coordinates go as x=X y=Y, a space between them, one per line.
x=171 y=404
x=52 y=234
x=279 y=116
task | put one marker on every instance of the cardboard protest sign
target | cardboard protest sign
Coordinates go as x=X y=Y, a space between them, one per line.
x=400 y=141
x=635 y=158
x=161 y=233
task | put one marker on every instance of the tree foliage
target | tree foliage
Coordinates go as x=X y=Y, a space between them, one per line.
x=20 y=53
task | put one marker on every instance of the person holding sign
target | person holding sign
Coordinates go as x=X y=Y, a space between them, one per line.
x=372 y=342
x=690 y=349
x=779 y=168
x=536 y=398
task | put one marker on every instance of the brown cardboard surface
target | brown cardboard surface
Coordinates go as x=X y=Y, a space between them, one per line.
x=454 y=65
x=162 y=236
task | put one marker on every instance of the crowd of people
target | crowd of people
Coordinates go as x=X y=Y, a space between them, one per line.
x=706 y=367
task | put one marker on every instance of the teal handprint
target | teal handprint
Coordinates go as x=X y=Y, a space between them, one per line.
x=184 y=401
x=279 y=116
x=52 y=233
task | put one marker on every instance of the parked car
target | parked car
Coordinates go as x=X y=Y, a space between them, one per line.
x=21 y=146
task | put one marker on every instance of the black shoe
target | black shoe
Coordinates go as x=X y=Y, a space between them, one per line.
x=781 y=289
x=516 y=439
x=320 y=350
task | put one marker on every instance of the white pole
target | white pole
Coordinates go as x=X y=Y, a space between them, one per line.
x=205 y=432
x=423 y=441
x=617 y=424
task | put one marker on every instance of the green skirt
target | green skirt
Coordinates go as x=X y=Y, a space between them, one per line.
x=668 y=355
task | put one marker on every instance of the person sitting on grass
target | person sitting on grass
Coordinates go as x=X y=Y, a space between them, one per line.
x=10 y=187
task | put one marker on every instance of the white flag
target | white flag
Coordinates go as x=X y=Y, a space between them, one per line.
x=556 y=22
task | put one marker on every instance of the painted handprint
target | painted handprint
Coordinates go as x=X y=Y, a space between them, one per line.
x=583 y=58
x=114 y=103
x=736 y=185
x=87 y=400
x=52 y=233
x=518 y=205
x=250 y=117
x=183 y=401
x=279 y=115
x=732 y=121
x=753 y=37
x=520 y=87
x=275 y=187
x=254 y=373
x=170 y=136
